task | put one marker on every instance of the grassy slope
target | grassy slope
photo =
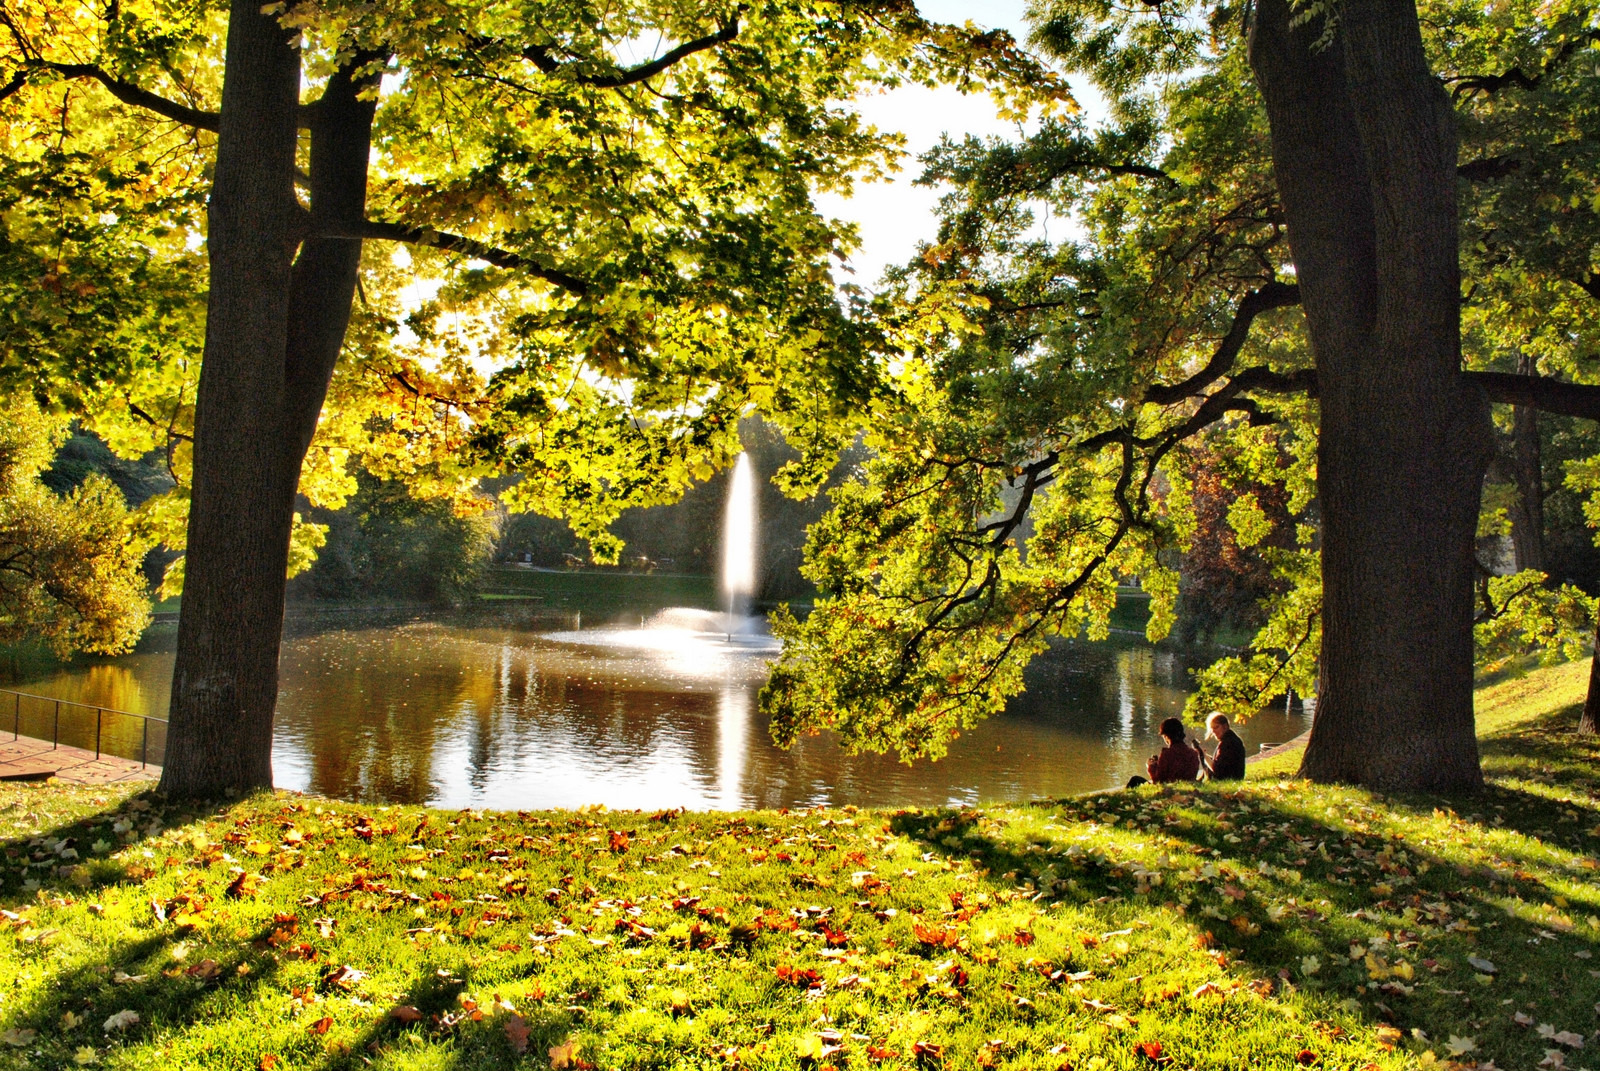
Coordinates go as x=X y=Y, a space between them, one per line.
x=1276 y=926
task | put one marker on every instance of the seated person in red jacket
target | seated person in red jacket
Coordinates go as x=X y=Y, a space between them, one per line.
x=1175 y=762
x=1227 y=762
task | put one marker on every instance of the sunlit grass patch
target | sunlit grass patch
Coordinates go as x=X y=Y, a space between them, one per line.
x=1271 y=924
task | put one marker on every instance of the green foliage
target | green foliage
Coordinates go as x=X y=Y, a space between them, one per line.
x=1026 y=459
x=1264 y=924
x=1032 y=447
x=653 y=265
x=69 y=566
x=1522 y=615
x=387 y=543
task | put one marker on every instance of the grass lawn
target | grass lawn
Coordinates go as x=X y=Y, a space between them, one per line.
x=1271 y=925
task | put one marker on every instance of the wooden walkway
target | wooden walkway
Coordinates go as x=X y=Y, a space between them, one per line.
x=27 y=758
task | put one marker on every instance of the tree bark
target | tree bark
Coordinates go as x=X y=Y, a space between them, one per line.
x=1589 y=720
x=275 y=326
x=225 y=679
x=1527 y=518
x=1364 y=153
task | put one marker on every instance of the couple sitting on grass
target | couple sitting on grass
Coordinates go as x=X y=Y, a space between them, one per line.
x=1181 y=760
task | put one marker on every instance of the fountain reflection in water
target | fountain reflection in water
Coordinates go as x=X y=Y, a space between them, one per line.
x=724 y=649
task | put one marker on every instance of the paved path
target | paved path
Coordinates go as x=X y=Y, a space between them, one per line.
x=1299 y=741
x=25 y=755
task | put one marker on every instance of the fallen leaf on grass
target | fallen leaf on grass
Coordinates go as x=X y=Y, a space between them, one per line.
x=1151 y=1050
x=85 y=1056
x=516 y=1028
x=243 y=885
x=207 y=970
x=797 y=976
x=1482 y=965
x=405 y=1013
x=936 y=936
x=321 y=1026
x=1460 y=1046
x=564 y=1056
x=268 y=1061
x=122 y=1020
x=1561 y=1037
x=343 y=977
x=18 y=1037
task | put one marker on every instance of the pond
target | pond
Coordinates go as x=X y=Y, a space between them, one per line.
x=542 y=708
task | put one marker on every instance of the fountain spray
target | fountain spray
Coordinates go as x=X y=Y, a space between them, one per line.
x=738 y=580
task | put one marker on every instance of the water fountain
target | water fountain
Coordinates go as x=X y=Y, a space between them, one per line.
x=689 y=634
x=738 y=580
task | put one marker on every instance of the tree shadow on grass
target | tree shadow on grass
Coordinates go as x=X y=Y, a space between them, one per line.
x=432 y=1012
x=148 y=976
x=63 y=860
x=1282 y=878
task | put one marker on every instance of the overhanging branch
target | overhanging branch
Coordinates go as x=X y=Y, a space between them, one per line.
x=621 y=77
x=1490 y=84
x=1540 y=392
x=1273 y=295
x=126 y=92
x=455 y=243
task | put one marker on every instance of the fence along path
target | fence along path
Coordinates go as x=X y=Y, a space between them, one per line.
x=65 y=724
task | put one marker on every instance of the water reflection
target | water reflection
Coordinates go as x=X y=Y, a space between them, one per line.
x=513 y=717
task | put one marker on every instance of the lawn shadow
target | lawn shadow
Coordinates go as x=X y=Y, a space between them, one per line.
x=432 y=1010
x=150 y=976
x=71 y=859
x=1286 y=895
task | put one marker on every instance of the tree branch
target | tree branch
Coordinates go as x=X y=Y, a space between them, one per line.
x=18 y=80
x=128 y=93
x=455 y=243
x=1273 y=295
x=1540 y=392
x=540 y=57
x=1589 y=284
x=1489 y=168
x=1490 y=84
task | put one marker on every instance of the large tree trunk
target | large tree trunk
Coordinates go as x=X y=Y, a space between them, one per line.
x=1527 y=517
x=1364 y=154
x=275 y=325
x=225 y=680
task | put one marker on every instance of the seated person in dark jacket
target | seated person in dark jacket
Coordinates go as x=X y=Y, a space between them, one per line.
x=1175 y=762
x=1227 y=762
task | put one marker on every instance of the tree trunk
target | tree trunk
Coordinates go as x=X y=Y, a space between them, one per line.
x=274 y=328
x=225 y=679
x=1364 y=154
x=1527 y=518
x=1589 y=720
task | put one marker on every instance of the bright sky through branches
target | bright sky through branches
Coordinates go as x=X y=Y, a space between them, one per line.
x=895 y=216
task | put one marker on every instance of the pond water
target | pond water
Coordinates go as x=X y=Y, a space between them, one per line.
x=532 y=713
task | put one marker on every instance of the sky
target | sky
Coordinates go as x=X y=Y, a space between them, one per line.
x=894 y=216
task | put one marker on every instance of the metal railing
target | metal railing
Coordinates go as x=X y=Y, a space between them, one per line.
x=56 y=706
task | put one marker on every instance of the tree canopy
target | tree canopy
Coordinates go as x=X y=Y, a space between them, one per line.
x=1122 y=305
